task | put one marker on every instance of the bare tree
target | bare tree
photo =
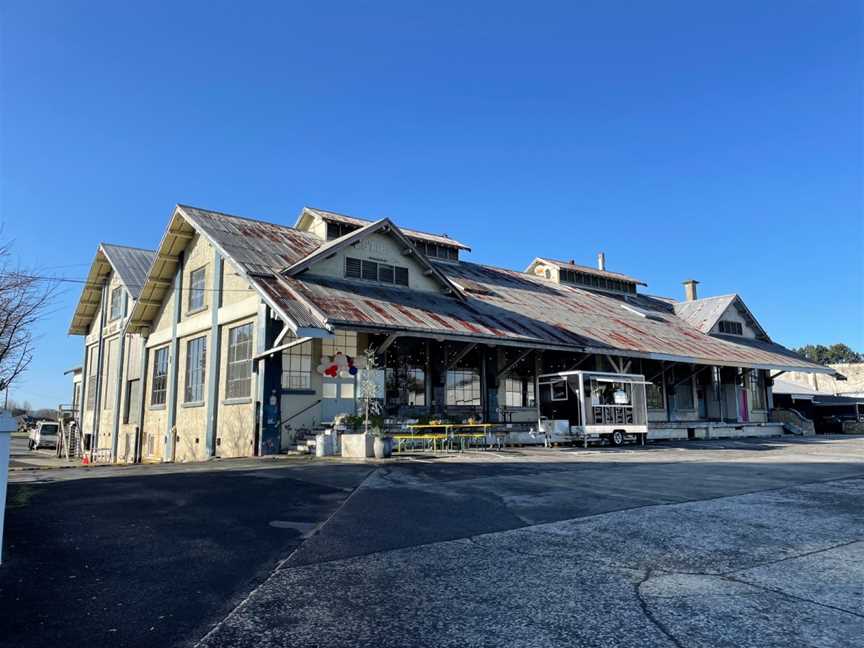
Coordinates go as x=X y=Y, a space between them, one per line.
x=24 y=300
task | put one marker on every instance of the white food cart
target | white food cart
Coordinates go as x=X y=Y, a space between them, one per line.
x=592 y=406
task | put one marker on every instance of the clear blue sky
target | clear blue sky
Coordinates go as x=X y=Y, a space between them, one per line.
x=714 y=140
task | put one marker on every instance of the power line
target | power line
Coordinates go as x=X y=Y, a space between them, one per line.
x=85 y=282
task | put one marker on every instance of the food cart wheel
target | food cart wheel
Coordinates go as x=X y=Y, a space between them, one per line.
x=617 y=438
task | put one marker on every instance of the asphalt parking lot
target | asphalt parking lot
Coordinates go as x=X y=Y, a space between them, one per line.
x=744 y=543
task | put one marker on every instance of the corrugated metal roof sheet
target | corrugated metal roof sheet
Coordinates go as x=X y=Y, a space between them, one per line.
x=502 y=305
x=511 y=306
x=702 y=314
x=443 y=239
x=569 y=265
x=131 y=264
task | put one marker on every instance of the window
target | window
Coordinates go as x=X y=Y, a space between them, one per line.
x=463 y=388
x=683 y=391
x=133 y=402
x=342 y=341
x=197 y=280
x=731 y=328
x=297 y=366
x=107 y=382
x=756 y=382
x=118 y=302
x=352 y=268
x=401 y=276
x=654 y=394
x=519 y=392
x=338 y=230
x=370 y=270
x=196 y=362
x=385 y=273
x=416 y=387
x=405 y=386
x=92 y=354
x=160 y=376
x=239 y=362
x=373 y=271
x=594 y=281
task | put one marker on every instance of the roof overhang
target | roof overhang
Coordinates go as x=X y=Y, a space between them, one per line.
x=91 y=295
x=332 y=217
x=182 y=228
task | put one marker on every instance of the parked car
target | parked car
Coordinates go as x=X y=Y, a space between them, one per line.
x=44 y=435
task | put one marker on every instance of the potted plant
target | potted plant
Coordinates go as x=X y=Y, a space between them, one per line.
x=367 y=390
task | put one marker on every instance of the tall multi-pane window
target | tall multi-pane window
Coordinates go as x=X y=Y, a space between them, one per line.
x=463 y=388
x=756 y=382
x=196 y=362
x=239 y=361
x=160 y=375
x=118 y=301
x=297 y=366
x=343 y=341
x=416 y=386
x=196 y=289
x=519 y=392
x=683 y=392
x=654 y=394
x=405 y=386
x=92 y=373
x=108 y=380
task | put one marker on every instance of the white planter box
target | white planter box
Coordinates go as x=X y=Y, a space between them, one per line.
x=358 y=446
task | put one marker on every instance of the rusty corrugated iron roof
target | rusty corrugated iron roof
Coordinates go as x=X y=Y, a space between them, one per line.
x=336 y=217
x=569 y=265
x=513 y=307
x=504 y=306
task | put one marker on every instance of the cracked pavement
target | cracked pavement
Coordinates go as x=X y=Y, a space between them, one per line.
x=756 y=542
x=747 y=543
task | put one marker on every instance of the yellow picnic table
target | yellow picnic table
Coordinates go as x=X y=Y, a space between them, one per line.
x=448 y=432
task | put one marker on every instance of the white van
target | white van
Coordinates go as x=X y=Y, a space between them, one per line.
x=44 y=435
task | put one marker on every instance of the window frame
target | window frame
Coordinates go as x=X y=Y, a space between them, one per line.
x=117 y=304
x=244 y=364
x=195 y=293
x=679 y=385
x=195 y=377
x=723 y=327
x=159 y=381
x=368 y=270
x=756 y=388
x=301 y=354
x=456 y=386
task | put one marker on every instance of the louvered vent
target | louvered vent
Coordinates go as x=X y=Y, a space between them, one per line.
x=352 y=268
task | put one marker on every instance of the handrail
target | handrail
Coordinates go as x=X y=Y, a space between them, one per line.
x=296 y=414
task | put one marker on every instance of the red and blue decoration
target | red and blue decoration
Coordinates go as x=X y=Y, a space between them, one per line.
x=340 y=365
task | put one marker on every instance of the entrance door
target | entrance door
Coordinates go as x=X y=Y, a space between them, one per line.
x=701 y=402
x=743 y=409
x=337 y=397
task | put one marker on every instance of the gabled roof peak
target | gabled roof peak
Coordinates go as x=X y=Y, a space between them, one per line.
x=383 y=225
x=332 y=216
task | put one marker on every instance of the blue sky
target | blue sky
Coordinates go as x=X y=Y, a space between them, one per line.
x=714 y=140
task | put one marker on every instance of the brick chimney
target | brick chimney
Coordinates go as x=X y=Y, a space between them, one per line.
x=601 y=261
x=690 y=290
